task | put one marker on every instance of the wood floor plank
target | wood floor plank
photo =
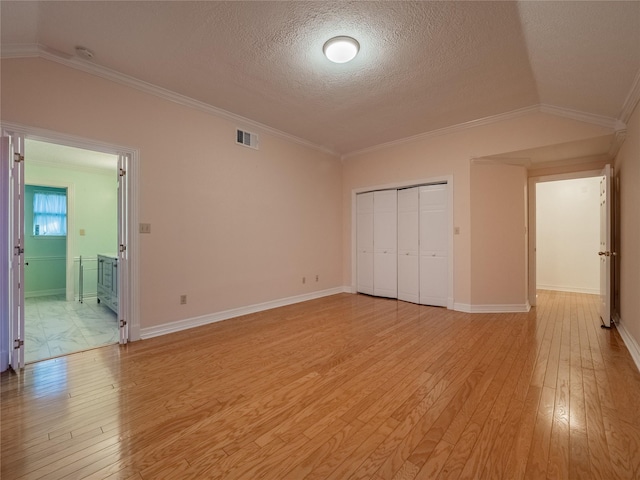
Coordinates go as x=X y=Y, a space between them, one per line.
x=346 y=386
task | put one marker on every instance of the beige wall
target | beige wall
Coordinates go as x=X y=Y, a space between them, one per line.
x=498 y=235
x=230 y=226
x=451 y=154
x=627 y=172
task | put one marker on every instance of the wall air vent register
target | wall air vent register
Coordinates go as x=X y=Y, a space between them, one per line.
x=247 y=139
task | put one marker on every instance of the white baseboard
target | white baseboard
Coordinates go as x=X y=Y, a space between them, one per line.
x=488 y=308
x=630 y=342
x=45 y=293
x=187 y=323
x=556 y=288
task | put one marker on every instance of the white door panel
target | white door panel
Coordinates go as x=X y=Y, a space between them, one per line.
x=433 y=196
x=365 y=231
x=433 y=281
x=606 y=256
x=433 y=232
x=385 y=274
x=385 y=221
x=364 y=202
x=123 y=253
x=365 y=272
x=16 y=260
x=409 y=278
x=408 y=221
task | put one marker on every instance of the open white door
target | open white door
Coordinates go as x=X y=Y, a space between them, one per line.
x=123 y=254
x=16 y=260
x=606 y=255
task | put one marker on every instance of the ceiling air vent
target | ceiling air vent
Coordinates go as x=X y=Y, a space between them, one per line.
x=247 y=139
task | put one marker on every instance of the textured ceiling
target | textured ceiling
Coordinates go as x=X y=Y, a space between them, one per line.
x=422 y=65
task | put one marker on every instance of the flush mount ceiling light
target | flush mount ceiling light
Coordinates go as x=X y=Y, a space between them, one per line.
x=341 y=49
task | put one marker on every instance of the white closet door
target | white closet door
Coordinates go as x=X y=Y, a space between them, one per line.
x=385 y=243
x=408 y=245
x=433 y=245
x=364 y=243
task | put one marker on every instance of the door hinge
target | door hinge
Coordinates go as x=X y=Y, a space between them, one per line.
x=123 y=172
x=17 y=157
x=17 y=343
x=19 y=249
x=122 y=248
x=122 y=323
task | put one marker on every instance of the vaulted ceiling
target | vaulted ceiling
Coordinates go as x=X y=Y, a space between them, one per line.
x=422 y=66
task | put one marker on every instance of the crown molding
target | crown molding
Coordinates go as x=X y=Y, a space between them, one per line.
x=631 y=101
x=35 y=50
x=447 y=130
x=618 y=139
x=602 y=121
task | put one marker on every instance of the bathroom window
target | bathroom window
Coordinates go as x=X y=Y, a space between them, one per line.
x=49 y=214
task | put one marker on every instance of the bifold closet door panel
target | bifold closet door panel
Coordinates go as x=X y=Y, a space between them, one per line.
x=364 y=243
x=408 y=245
x=433 y=220
x=433 y=245
x=385 y=243
x=365 y=273
x=434 y=281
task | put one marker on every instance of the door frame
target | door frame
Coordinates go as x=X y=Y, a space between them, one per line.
x=531 y=194
x=132 y=199
x=398 y=185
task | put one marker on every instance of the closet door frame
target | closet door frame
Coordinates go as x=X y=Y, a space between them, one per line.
x=416 y=183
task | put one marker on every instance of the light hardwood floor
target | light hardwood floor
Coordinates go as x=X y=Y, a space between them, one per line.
x=344 y=387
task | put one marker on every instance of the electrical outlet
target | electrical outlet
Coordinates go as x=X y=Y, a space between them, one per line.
x=145 y=228
x=82 y=232
x=317 y=277
x=183 y=299
x=304 y=280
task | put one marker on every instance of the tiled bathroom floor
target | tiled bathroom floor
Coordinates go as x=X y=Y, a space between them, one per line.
x=56 y=327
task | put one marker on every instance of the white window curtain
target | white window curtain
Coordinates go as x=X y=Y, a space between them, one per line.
x=49 y=214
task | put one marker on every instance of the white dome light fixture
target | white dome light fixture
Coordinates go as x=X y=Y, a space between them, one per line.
x=341 y=49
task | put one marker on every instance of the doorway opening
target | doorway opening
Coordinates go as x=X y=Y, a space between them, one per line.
x=567 y=235
x=64 y=234
x=571 y=241
x=18 y=146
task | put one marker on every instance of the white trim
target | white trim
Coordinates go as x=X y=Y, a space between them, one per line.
x=599 y=120
x=558 y=288
x=133 y=202
x=448 y=179
x=495 y=308
x=179 y=325
x=4 y=261
x=35 y=50
x=592 y=118
x=45 y=293
x=348 y=289
x=631 y=101
x=630 y=342
x=447 y=130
